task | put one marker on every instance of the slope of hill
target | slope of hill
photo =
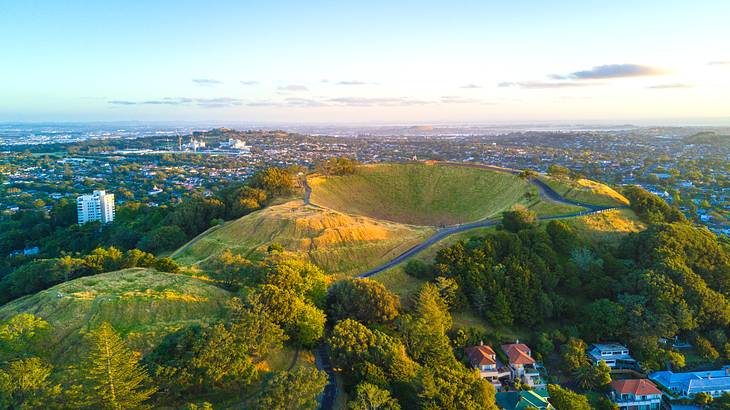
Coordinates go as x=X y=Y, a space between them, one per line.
x=335 y=241
x=142 y=304
x=421 y=194
x=585 y=191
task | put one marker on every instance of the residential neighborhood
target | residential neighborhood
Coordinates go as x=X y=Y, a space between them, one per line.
x=521 y=385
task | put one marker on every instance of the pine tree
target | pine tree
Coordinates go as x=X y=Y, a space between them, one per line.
x=114 y=378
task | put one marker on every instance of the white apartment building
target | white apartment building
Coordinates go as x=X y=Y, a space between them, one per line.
x=99 y=206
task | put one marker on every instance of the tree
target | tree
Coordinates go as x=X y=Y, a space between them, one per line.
x=559 y=171
x=308 y=325
x=275 y=181
x=600 y=375
x=114 y=378
x=443 y=387
x=564 y=399
x=574 y=355
x=296 y=389
x=418 y=269
x=562 y=236
x=370 y=397
x=603 y=319
x=364 y=300
x=167 y=265
x=22 y=334
x=349 y=342
x=705 y=349
x=424 y=333
x=519 y=218
x=26 y=384
x=702 y=399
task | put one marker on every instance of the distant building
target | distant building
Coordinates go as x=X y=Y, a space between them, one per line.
x=630 y=394
x=614 y=354
x=99 y=206
x=688 y=384
x=237 y=144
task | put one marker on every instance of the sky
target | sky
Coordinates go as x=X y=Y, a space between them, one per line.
x=365 y=61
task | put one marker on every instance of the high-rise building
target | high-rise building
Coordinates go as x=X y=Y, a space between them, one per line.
x=99 y=206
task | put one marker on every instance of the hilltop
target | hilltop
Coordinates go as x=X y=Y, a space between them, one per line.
x=142 y=304
x=421 y=194
x=337 y=242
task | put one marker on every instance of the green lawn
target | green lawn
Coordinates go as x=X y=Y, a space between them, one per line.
x=142 y=304
x=420 y=194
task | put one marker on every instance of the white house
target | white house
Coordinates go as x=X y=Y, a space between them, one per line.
x=614 y=354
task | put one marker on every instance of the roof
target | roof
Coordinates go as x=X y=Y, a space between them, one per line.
x=516 y=400
x=480 y=355
x=637 y=387
x=518 y=353
x=609 y=346
x=694 y=382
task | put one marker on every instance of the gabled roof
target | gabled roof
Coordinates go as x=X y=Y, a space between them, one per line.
x=637 y=387
x=480 y=355
x=518 y=353
x=517 y=400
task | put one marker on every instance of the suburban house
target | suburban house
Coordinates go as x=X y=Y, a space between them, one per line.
x=524 y=399
x=635 y=394
x=614 y=354
x=484 y=359
x=522 y=366
x=688 y=384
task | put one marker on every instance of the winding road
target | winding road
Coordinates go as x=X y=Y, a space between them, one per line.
x=546 y=193
x=330 y=392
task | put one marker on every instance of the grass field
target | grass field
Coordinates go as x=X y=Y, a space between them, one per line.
x=420 y=194
x=142 y=304
x=607 y=226
x=337 y=242
x=586 y=191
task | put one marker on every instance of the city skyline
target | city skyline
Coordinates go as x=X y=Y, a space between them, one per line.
x=380 y=63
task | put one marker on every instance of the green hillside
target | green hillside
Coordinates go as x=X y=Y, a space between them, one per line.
x=142 y=304
x=586 y=191
x=420 y=194
x=335 y=241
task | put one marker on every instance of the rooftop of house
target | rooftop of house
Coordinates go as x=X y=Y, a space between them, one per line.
x=480 y=355
x=603 y=347
x=637 y=387
x=518 y=353
x=695 y=381
x=515 y=400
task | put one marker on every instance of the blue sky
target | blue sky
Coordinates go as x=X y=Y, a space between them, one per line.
x=374 y=61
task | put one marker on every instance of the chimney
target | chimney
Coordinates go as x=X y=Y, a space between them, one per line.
x=481 y=343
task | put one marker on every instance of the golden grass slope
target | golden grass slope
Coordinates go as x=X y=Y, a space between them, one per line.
x=142 y=304
x=419 y=193
x=337 y=242
x=585 y=190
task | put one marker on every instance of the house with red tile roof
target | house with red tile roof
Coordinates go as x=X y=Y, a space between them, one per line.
x=484 y=359
x=635 y=394
x=523 y=366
